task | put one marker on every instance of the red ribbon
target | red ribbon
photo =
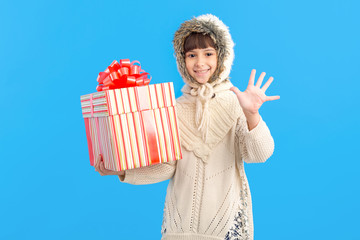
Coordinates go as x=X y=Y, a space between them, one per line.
x=121 y=75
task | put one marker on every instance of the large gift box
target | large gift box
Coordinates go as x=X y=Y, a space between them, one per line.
x=131 y=127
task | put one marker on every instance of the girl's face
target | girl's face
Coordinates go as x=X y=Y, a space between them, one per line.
x=201 y=63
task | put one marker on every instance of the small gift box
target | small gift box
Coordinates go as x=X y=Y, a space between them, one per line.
x=132 y=126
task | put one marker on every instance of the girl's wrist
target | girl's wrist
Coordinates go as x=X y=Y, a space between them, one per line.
x=252 y=120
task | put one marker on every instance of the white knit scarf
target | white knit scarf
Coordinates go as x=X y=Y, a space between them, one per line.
x=203 y=94
x=216 y=111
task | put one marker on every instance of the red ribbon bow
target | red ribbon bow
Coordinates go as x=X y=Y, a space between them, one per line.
x=123 y=74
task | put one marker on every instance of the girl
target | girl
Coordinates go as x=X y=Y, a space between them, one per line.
x=208 y=195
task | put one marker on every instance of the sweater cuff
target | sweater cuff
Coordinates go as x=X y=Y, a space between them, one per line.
x=128 y=177
x=258 y=131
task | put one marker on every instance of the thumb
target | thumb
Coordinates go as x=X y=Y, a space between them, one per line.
x=99 y=158
x=235 y=90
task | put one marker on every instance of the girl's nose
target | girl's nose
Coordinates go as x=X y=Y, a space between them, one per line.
x=199 y=62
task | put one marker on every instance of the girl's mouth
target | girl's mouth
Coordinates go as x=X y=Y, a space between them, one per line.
x=201 y=71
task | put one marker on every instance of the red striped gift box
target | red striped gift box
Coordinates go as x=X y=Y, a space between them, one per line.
x=132 y=127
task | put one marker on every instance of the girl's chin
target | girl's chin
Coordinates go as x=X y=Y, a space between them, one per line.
x=202 y=81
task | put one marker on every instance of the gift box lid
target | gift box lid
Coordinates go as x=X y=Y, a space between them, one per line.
x=126 y=100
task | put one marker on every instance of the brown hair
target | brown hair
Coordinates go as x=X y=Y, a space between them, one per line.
x=198 y=40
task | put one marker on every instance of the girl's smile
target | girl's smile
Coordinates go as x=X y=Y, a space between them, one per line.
x=201 y=63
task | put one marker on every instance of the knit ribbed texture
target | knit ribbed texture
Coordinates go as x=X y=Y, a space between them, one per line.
x=149 y=174
x=224 y=110
x=256 y=140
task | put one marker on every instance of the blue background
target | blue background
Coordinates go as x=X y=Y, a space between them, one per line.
x=52 y=51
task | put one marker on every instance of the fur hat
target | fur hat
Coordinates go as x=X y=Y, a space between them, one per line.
x=219 y=32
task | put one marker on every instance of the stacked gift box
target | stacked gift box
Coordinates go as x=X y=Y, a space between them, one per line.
x=132 y=127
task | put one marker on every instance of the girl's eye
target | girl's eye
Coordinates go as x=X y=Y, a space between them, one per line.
x=209 y=54
x=191 y=55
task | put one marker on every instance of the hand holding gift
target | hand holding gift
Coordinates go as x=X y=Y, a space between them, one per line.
x=100 y=168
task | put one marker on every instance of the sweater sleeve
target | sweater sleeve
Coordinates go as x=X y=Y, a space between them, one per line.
x=150 y=174
x=255 y=146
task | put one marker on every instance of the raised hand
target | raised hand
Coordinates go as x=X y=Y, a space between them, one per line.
x=100 y=168
x=253 y=97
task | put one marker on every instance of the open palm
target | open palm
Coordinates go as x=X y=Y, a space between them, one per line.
x=253 y=97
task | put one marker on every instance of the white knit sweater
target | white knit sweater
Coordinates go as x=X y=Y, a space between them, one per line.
x=208 y=196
